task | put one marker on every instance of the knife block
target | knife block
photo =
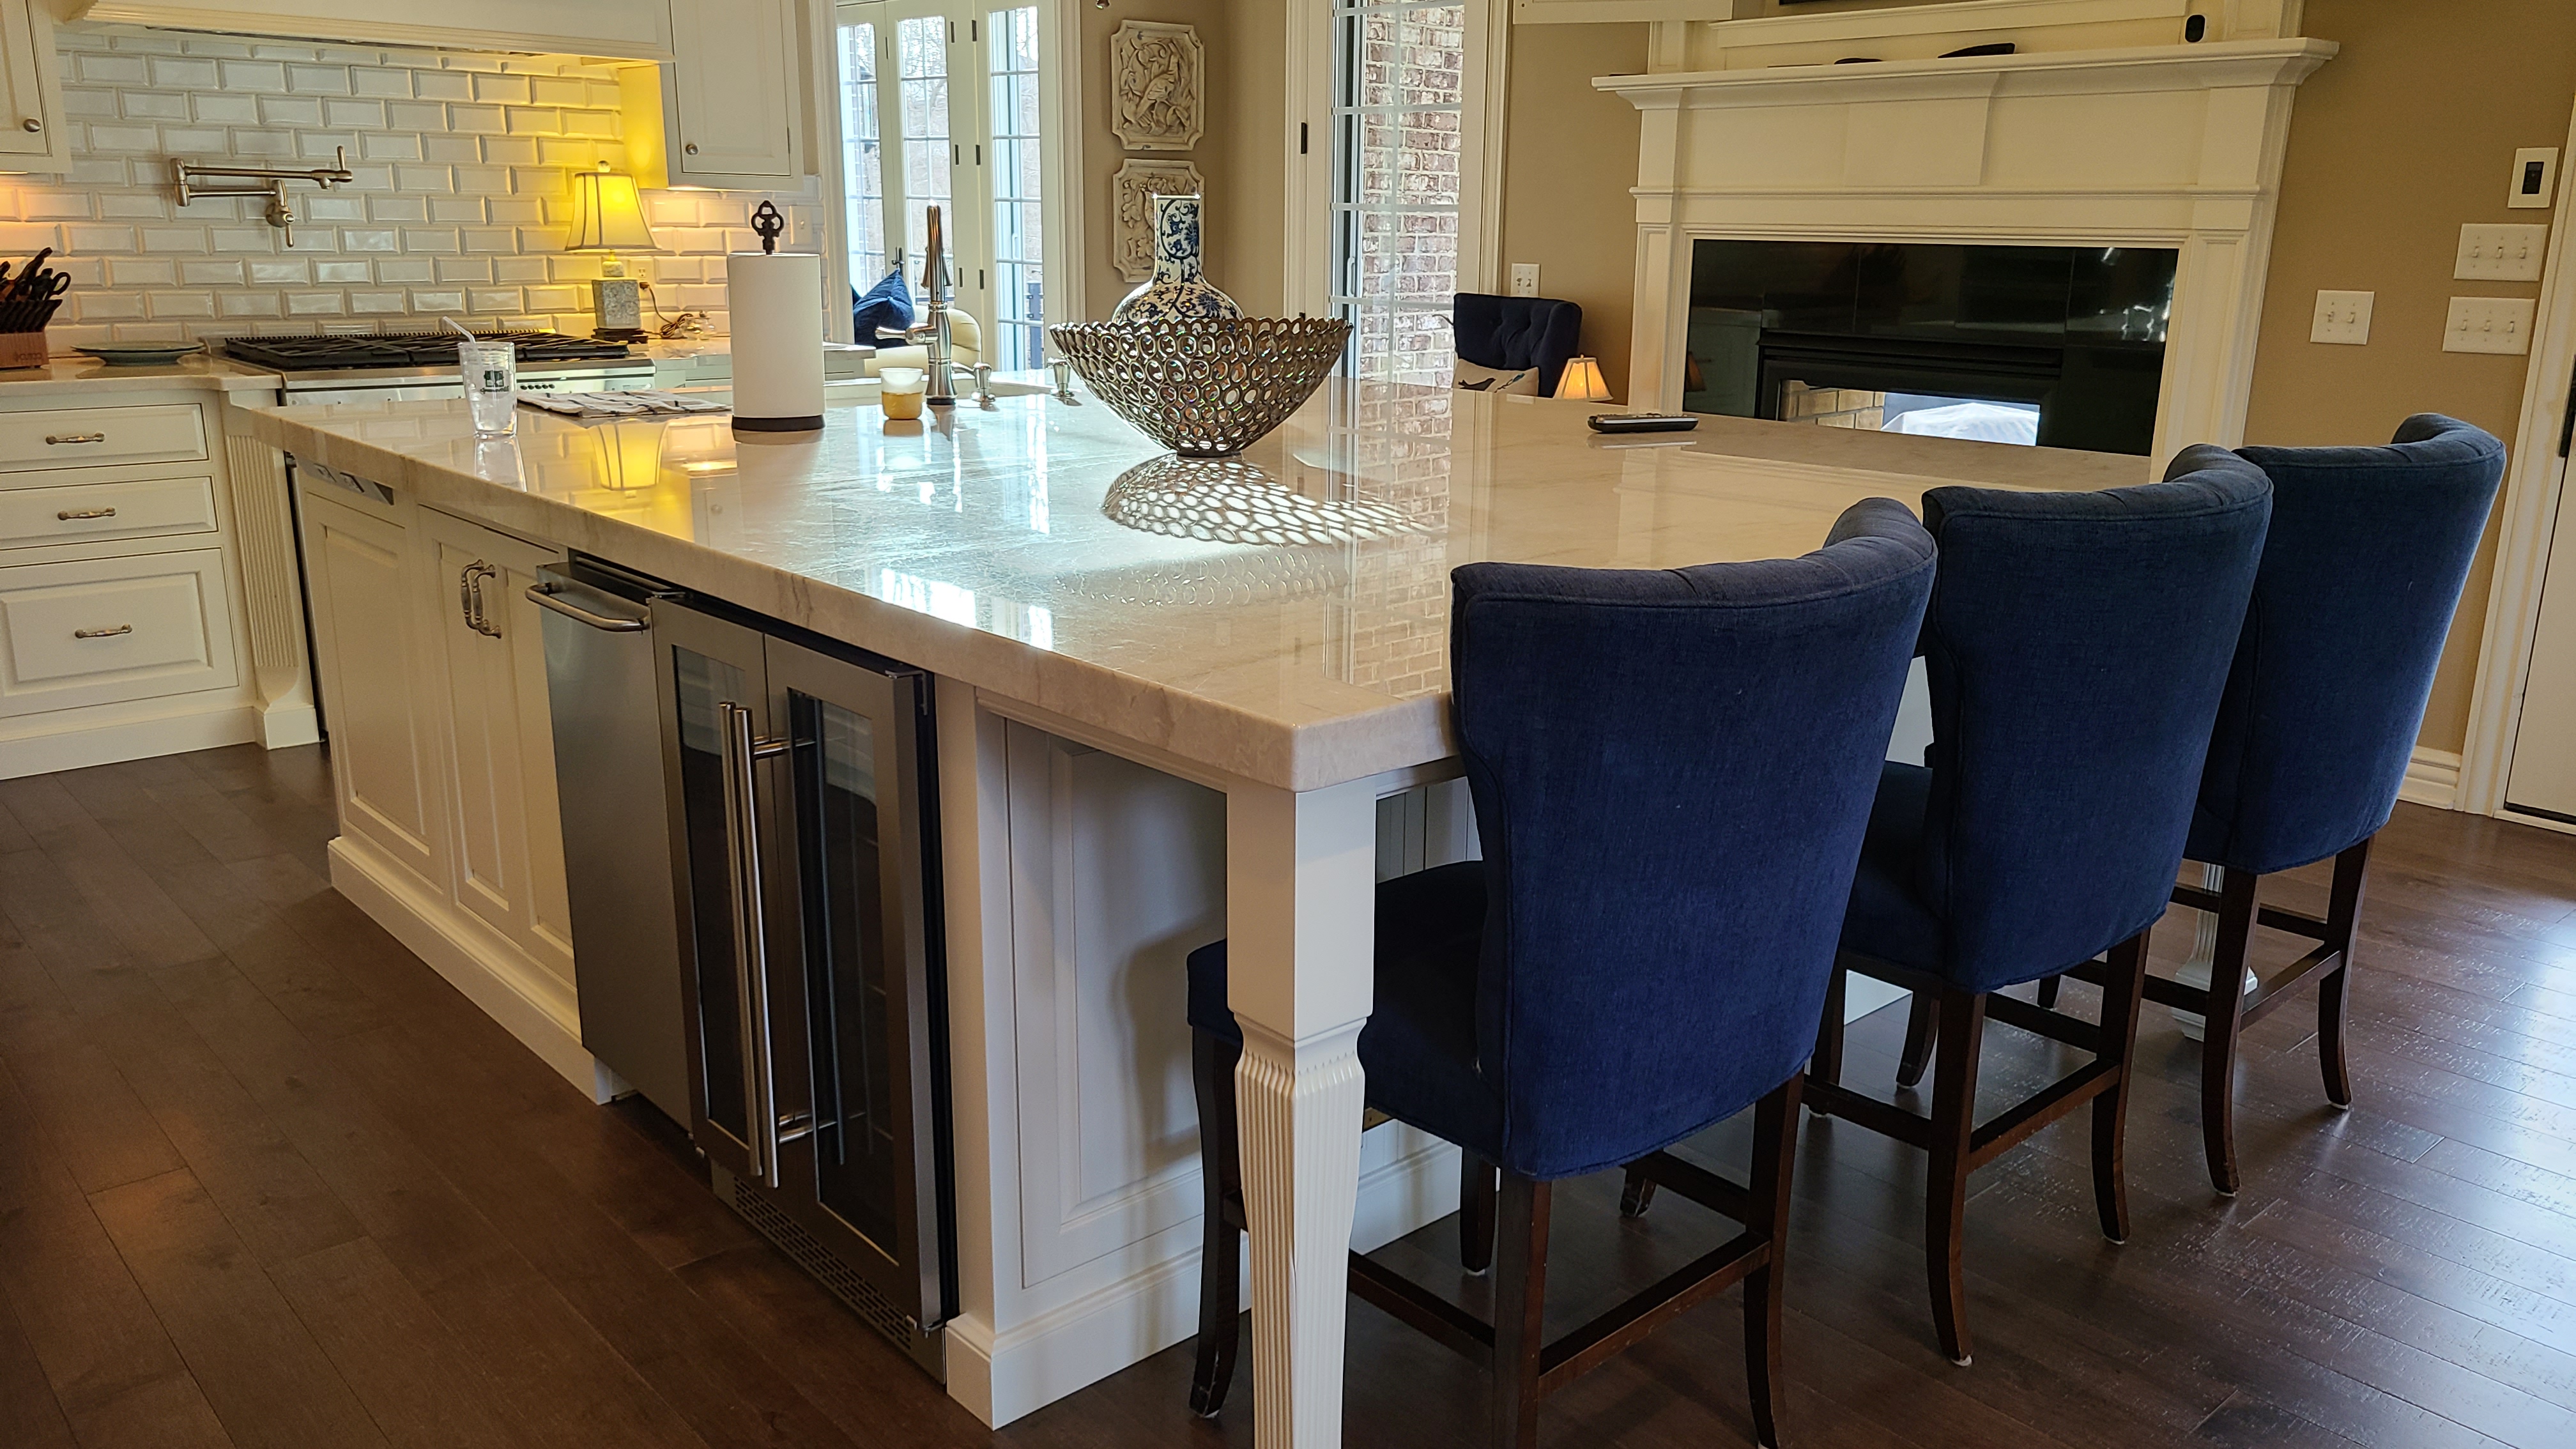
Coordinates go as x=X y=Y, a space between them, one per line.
x=22 y=349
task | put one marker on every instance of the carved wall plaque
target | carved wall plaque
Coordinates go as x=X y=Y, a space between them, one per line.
x=1132 y=232
x=1156 y=98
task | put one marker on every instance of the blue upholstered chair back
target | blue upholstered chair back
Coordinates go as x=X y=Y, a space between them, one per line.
x=2077 y=644
x=1540 y=332
x=1671 y=772
x=2361 y=574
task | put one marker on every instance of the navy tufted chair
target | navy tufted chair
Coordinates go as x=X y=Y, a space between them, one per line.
x=2368 y=552
x=1514 y=332
x=1671 y=772
x=2077 y=646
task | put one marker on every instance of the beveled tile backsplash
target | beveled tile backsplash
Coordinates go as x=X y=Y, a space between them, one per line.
x=459 y=206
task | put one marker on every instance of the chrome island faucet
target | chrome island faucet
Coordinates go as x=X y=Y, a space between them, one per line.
x=942 y=390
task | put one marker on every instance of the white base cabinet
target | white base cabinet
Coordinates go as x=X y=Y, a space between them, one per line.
x=433 y=679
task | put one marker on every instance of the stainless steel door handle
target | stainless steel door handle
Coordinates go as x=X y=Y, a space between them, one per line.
x=469 y=596
x=743 y=750
x=545 y=596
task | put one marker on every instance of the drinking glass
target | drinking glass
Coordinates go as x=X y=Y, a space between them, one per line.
x=491 y=372
x=899 y=391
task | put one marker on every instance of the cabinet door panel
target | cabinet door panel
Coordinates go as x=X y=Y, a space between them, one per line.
x=508 y=852
x=380 y=762
x=732 y=94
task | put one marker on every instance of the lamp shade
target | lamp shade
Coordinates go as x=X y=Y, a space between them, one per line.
x=607 y=214
x=1582 y=379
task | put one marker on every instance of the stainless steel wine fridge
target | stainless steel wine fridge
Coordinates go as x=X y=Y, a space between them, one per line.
x=802 y=793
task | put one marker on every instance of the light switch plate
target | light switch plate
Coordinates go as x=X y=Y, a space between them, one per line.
x=2535 y=179
x=2501 y=253
x=2342 y=318
x=1524 y=279
x=2489 y=324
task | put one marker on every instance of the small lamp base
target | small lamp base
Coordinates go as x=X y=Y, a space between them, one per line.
x=618 y=303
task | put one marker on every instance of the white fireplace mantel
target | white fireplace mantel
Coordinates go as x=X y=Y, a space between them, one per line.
x=2156 y=146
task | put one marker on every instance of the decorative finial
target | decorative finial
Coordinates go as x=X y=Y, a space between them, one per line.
x=769 y=222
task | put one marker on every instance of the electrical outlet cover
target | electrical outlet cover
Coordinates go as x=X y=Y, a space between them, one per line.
x=2501 y=253
x=2343 y=318
x=2489 y=324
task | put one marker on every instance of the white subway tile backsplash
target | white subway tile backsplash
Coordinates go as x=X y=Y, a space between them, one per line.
x=459 y=204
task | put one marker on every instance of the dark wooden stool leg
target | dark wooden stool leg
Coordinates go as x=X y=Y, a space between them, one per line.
x=1826 y=1065
x=1918 y=1041
x=1212 y=1064
x=2223 y=1023
x=2343 y=917
x=1954 y=1098
x=1636 y=1193
x=2048 y=990
x=1775 y=1158
x=2123 y=992
x=1520 y=1299
x=1475 y=1212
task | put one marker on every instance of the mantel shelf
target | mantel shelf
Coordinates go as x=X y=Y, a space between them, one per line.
x=2153 y=67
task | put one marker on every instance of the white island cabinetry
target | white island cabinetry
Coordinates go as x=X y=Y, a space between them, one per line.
x=433 y=679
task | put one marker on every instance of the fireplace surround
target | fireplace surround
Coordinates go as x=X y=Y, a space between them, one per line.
x=2162 y=147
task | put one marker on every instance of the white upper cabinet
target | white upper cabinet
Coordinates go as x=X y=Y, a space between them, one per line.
x=610 y=29
x=32 y=135
x=729 y=111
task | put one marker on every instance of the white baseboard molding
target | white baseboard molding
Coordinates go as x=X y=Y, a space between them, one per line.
x=2432 y=778
x=80 y=739
x=492 y=974
x=287 y=725
x=1001 y=1377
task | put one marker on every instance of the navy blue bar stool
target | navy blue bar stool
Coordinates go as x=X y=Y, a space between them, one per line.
x=2363 y=569
x=1672 y=770
x=2077 y=645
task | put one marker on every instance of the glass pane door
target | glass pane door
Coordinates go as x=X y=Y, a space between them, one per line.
x=851 y=1015
x=1399 y=100
x=1019 y=311
x=923 y=131
x=863 y=172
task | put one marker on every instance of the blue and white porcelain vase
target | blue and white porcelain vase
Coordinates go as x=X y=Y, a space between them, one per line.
x=1178 y=289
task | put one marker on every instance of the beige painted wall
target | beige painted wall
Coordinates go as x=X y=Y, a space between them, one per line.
x=1247 y=116
x=2395 y=143
x=1569 y=157
x=1102 y=154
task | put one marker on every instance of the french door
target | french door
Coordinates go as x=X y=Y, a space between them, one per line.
x=940 y=105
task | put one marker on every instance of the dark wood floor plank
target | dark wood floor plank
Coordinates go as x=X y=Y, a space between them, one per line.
x=417 y=1380
x=30 y=1417
x=111 y=1368
x=269 y=1382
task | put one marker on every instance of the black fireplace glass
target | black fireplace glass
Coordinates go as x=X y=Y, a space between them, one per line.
x=2077 y=332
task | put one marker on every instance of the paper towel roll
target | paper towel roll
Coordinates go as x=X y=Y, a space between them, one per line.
x=776 y=307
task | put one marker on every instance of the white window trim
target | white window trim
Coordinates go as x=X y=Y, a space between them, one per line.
x=1306 y=289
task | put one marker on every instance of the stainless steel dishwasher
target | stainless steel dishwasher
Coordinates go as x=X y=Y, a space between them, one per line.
x=600 y=682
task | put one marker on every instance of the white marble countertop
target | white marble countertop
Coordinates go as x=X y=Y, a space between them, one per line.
x=75 y=375
x=1281 y=618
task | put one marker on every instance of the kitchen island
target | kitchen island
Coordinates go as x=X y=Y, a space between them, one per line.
x=1173 y=701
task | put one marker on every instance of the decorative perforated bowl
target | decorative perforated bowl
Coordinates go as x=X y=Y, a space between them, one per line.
x=1204 y=387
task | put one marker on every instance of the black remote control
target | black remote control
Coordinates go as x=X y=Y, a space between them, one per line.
x=1642 y=422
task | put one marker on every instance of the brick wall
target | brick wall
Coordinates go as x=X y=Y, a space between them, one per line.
x=459 y=207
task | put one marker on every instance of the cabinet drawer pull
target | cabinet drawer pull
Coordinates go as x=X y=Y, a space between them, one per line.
x=70 y=514
x=56 y=440
x=102 y=633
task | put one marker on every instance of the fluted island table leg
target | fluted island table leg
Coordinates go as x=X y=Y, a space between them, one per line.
x=1300 y=919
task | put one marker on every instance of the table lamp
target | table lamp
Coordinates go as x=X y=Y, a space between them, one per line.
x=1582 y=380
x=607 y=217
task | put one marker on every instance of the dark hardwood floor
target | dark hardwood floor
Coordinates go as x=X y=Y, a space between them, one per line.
x=266 y=1180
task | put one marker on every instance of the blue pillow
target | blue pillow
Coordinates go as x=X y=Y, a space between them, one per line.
x=887 y=304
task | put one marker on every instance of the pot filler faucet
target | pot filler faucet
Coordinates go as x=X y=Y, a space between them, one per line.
x=273 y=179
x=942 y=390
